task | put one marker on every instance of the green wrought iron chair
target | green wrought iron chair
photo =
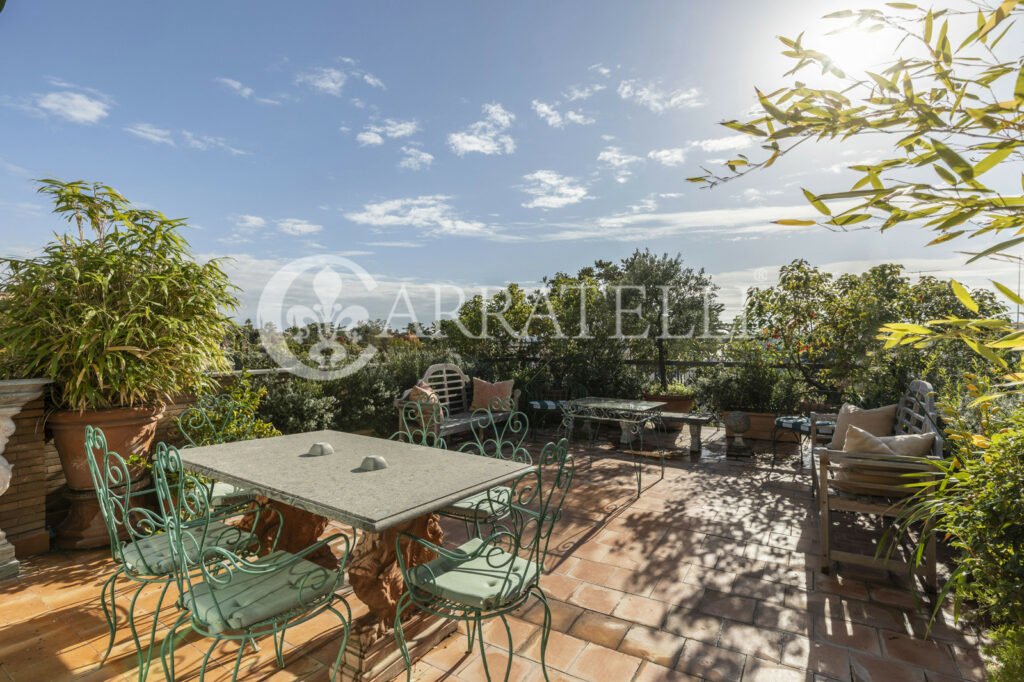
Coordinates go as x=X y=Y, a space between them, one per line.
x=139 y=542
x=214 y=420
x=500 y=439
x=489 y=577
x=421 y=423
x=234 y=597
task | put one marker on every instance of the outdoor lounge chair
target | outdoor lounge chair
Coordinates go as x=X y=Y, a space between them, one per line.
x=875 y=484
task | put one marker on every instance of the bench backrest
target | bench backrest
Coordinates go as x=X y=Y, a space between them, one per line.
x=915 y=413
x=451 y=385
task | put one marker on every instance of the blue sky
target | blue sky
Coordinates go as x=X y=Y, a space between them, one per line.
x=461 y=142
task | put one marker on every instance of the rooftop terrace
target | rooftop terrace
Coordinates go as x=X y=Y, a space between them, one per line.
x=711 y=574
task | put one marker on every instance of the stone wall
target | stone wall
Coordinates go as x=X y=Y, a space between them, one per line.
x=23 y=506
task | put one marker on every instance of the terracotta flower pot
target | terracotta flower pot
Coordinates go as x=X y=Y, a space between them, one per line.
x=129 y=431
x=761 y=425
x=676 y=403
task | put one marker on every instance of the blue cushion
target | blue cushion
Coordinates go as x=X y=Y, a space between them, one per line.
x=547 y=405
x=489 y=581
x=792 y=423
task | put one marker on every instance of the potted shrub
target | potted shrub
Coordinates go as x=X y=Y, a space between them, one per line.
x=122 y=319
x=760 y=390
x=678 y=395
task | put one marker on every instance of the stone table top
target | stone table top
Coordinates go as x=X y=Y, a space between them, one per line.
x=417 y=481
x=624 y=405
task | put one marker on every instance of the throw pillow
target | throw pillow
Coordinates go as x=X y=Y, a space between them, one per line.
x=877 y=422
x=422 y=393
x=858 y=480
x=909 y=444
x=496 y=396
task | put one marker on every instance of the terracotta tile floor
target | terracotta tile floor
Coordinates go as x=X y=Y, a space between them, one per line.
x=711 y=574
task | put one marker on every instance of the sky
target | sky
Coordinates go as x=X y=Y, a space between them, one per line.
x=442 y=144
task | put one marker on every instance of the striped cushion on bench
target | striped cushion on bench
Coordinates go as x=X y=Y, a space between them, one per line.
x=803 y=425
x=547 y=405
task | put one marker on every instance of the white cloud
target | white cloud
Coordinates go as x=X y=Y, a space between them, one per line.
x=74 y=106
x=400 y=245
x=657 y=99
x=551 y=190
x=415 y=159
x=633 y=226
x=607 y=138
x=297 y=226
x=555 y=119
x=486 y=136
x=668 y=157
x=430 y=213
x=601 y=69
x=721 y=144
x=150 y=132
x=548 y=114
x=392 y=128
x=576 y=92
x=579 y=118
x=616 y=158
x=207 y=142
x=250 y=221
x=369 y=138
x=754 y=194
x=327 y=80
x=235 y=86
x=373 y=81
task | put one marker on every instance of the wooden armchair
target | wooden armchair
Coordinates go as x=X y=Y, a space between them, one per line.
x=875 y=484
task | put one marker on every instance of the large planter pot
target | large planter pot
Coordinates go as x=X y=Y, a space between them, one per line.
x=761 y=425
x=129 y=431
x=675 y=403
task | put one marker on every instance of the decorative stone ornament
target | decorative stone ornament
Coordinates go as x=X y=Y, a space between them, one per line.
x=320 y=449
x=13 y=396
x=373 y=463
x=739 y=423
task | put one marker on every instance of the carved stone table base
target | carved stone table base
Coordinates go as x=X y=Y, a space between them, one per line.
x=375 y=659
x=372 y=653
x=300 y=530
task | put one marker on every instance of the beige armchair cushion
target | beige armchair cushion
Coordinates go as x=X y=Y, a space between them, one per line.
x=852 y=479
x=877 y=422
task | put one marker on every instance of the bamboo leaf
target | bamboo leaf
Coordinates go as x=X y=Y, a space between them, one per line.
x=965 y=298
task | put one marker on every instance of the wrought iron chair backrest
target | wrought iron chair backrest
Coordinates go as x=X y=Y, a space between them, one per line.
x=190 y=525
x=126 y=523
x=421 y=422
x=526 y=531
x=216 y=419
x=498 y=433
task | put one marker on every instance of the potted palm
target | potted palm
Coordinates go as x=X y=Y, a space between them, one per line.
x=122 y=319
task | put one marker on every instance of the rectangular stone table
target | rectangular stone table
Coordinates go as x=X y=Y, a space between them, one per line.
x=383 y=503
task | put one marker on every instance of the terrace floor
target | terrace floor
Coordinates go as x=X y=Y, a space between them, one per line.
x=711 y=574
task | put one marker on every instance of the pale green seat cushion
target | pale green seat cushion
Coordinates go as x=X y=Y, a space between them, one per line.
x=225 y=494
x=485 y=582
x=250 y=598
x=491 y=503
x=151 y=555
